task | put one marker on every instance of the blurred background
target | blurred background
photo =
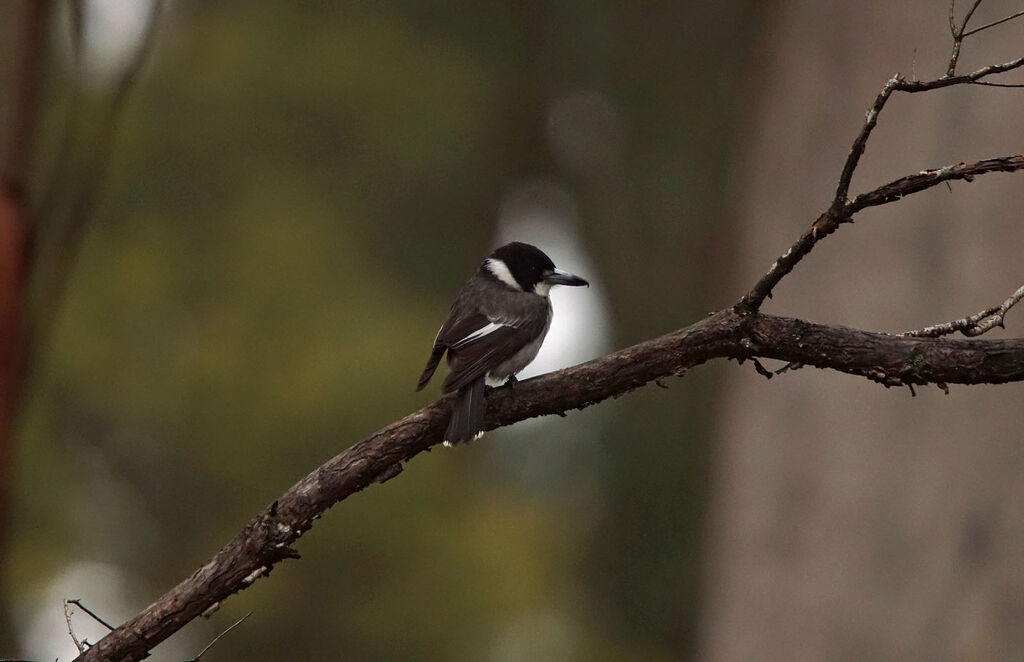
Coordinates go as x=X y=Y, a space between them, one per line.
x=296 y=191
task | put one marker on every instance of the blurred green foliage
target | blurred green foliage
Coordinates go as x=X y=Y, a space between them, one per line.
x=297 y=190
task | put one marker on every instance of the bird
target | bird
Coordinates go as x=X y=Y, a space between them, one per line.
x=494 y=329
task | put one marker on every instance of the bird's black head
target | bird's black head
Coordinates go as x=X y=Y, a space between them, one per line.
x=528 y=268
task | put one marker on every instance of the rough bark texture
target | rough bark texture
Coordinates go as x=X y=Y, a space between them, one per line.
x=267 y=539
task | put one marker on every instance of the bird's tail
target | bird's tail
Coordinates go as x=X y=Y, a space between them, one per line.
x=467 y=421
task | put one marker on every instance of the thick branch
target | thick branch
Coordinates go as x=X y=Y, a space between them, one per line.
x=267 y=539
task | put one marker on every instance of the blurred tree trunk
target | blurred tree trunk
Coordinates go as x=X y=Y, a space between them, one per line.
x=26 y=35
x=897 y=535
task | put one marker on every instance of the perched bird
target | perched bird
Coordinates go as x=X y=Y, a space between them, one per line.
x=494 y=329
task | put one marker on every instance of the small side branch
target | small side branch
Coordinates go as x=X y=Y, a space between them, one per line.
x=958 y=33
x=975 y=325
x=913 y=86
x=857 y=150
x=78 y=603
x=833 y=217
x=904 y=186
x=994 y=23
x=218 y=637
x=81 y=645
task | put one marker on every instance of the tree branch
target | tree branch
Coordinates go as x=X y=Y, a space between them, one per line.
x=904 y=186
x=268 y=538
x=994 y=23
x=958 y=33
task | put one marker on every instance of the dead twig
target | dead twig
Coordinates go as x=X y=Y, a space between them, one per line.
x=217 y=638
x=958 y=33
x=994 y=24
x=78 y=603
x=904 y=186
x=81 y=645
x=988 y=84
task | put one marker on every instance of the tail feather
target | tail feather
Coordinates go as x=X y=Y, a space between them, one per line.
x=428 y=371
x=467 y=421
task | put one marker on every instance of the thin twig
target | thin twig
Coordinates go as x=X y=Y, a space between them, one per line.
x=830 y=220
x=958 y=35
x=938 y=330
x=988 y=84
x=71 y=630
x=997 y=319
x=78 y=603
x=857 y=150
x=217 y=638
x=994 y=23
x=946 y=81
x=970 y=13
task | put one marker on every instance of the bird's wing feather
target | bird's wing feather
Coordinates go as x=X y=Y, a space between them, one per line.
x=475 y=358
x=478 y=342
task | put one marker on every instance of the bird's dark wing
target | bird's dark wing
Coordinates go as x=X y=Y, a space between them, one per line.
x=476 y=343
x=458 y=331
x=428 y=371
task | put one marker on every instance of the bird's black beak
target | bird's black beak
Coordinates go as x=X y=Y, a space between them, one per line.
x=559 y=277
